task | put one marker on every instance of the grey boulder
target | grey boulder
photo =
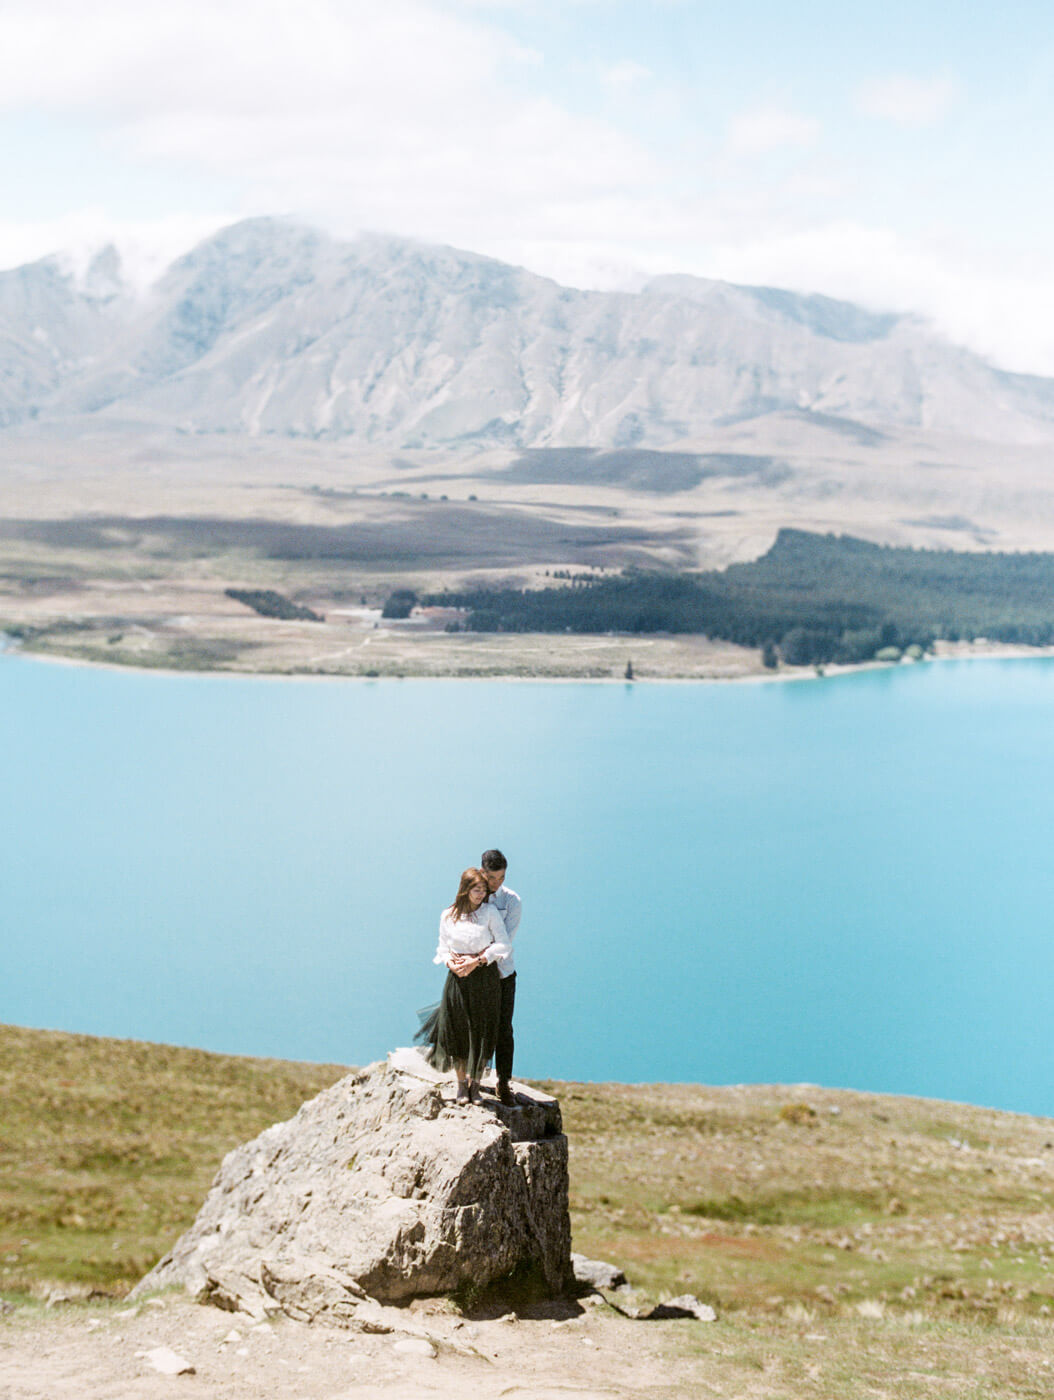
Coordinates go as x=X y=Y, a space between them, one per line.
x=378 y=1190
x=596 y=1273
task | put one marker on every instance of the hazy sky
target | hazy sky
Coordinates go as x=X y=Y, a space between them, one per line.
x=897 y=154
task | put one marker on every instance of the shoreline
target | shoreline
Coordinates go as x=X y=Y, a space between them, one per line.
x=946 y=651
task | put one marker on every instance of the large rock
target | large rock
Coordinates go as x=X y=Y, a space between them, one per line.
x=380 y=1188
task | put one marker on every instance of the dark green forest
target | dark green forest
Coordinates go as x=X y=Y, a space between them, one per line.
x=811 y=599
x=268 y=603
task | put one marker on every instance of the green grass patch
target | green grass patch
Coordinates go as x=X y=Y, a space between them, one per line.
x=824 y=1208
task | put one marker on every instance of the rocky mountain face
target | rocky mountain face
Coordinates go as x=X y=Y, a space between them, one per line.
x=381 y=1189
x=272 y=328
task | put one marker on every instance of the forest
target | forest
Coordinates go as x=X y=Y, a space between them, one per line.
x=810 y=599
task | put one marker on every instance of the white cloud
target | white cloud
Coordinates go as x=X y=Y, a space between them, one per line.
x=1006 y=317
x=627 y=73
x=146 y=246
x=908 y=101
x=769 y=129
x=403 y=116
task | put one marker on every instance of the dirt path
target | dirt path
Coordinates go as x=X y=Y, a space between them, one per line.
x=100 y=1353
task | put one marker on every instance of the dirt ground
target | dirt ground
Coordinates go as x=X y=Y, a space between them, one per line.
x=102 y=1351
x=89 y=1352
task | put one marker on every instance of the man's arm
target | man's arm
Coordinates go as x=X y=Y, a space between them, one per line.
x=511 y=913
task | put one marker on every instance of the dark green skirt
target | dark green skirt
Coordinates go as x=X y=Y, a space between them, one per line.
x=463 y=1028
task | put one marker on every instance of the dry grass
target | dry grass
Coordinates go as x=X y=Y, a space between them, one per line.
x=107 y=1148
x=768 y=1198
x=117 y=546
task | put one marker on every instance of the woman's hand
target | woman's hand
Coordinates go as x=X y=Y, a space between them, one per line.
x=461 y=964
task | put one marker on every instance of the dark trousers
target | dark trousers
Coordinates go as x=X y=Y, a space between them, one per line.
x=506 y=1044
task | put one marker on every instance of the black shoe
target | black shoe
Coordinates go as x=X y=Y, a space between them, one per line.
x=505 y=1094
x=473 y=1090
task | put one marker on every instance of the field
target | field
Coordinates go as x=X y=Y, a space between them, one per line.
x=118 y=545
x=853 y=1244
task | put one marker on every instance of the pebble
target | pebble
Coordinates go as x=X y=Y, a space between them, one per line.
x=127 y=1312
x=414 y=1346
x=233 y=1336
x=167 y=1361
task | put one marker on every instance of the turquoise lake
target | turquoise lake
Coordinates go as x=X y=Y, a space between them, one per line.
x=846 y=882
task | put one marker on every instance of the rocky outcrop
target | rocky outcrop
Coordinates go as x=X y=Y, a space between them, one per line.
x=381 y=1189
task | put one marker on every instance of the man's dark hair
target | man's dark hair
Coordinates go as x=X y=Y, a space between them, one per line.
x=493 y=860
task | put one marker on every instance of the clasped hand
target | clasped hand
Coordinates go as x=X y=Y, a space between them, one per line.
x=461 y=964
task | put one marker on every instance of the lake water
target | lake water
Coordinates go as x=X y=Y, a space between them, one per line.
x=847 y=882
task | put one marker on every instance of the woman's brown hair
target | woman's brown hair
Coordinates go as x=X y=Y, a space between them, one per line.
x=461 y=906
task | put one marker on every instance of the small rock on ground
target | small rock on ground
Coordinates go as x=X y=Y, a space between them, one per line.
x=596 y=1272
x=167 y=1361
x=414 y=1346
x=684 y=1306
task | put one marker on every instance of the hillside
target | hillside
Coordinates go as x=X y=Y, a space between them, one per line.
x=272 y=328
x=852 y=1243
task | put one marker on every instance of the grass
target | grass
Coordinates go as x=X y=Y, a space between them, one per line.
x=905 y=1203
x=108 y=1147
x=875 y=1246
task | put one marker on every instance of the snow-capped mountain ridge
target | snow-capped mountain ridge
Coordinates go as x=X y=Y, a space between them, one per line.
x=271 y=327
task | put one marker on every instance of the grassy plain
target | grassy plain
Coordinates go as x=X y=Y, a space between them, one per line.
x=853 y=1244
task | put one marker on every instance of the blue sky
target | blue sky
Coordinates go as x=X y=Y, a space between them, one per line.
x=895 y=154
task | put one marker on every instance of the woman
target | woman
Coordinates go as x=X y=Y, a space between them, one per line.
x=463 y=1029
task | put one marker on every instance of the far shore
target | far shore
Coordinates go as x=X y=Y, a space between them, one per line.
x=735 y=673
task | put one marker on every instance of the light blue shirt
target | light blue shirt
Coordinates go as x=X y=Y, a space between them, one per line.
x=509 y=905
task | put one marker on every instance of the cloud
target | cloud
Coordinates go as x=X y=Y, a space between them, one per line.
x=627 y=73
x=769 y=129
x=1002 y=314
x=146 y=246
x=407 y=116
x=908 y=101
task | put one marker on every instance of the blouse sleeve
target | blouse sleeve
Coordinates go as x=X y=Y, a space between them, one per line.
x=500 y=948
x=444 y=950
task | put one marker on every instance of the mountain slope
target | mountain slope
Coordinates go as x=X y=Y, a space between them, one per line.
x=271 y=328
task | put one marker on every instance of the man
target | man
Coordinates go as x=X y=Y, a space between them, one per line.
x=508 y=903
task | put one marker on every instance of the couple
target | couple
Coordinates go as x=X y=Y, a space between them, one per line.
x=473 y=1020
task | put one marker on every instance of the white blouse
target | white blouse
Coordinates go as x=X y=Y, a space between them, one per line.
x=481 y=929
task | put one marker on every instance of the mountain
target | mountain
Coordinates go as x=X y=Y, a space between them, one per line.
x=273 y=328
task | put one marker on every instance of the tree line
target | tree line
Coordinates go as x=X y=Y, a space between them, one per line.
x=810 y=599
